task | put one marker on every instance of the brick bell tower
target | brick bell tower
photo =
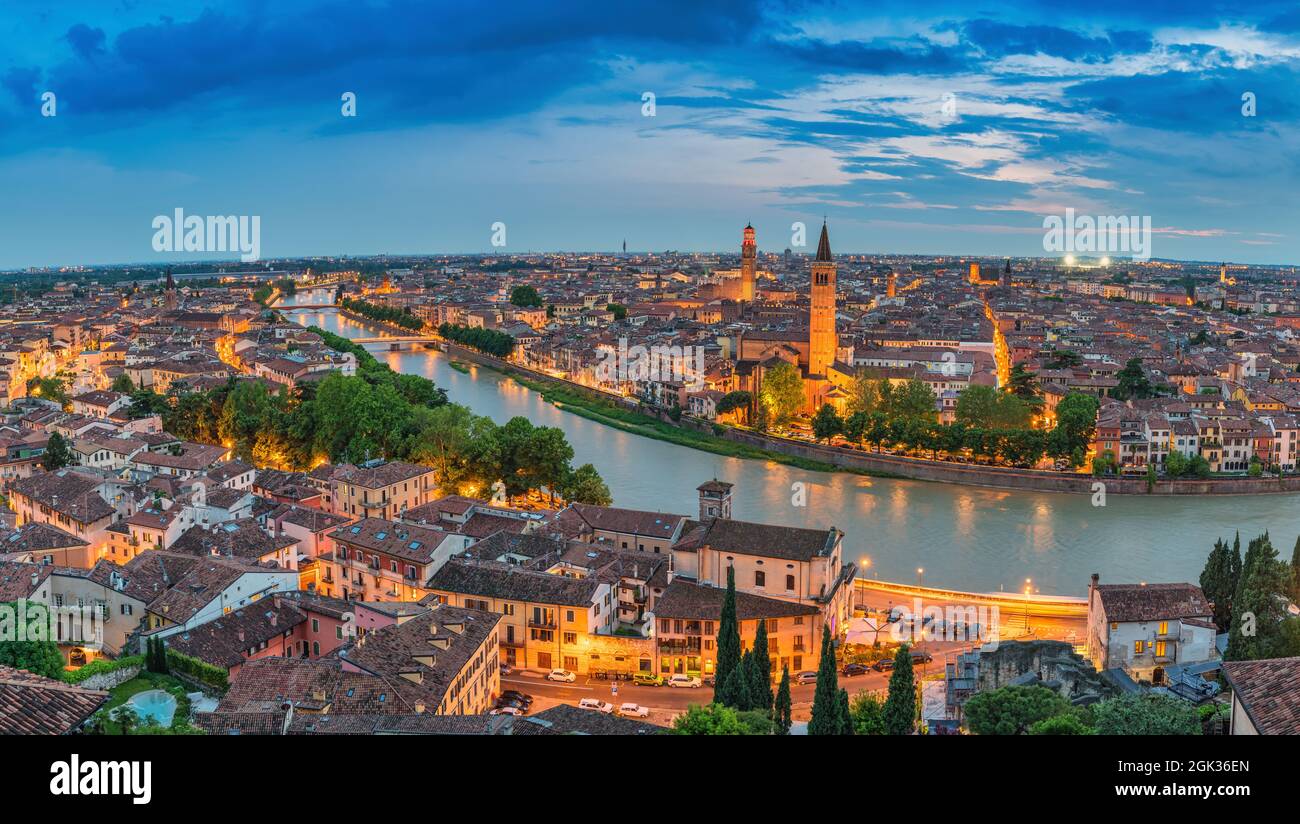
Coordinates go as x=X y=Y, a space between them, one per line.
x=821 y=322
x=748 y=264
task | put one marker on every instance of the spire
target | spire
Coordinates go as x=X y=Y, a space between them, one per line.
x=171 y=284
x=824 y=245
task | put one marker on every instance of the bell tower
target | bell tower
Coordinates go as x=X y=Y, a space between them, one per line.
x=821 y=321
x=748 y=264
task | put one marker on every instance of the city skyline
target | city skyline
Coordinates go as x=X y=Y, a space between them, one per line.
x=935 y=133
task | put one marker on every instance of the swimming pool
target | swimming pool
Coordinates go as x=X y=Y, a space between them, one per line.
x=153 y=706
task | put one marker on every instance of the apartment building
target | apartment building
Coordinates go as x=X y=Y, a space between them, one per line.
x=374 y=490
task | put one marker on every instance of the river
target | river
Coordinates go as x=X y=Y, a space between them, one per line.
x=961 y=537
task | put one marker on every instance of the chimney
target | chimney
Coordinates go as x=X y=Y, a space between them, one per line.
x=273 y=616
x=36 y=579
x=1092 y=588
x=241 y=636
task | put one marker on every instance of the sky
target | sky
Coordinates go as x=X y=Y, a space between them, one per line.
x=919 y=128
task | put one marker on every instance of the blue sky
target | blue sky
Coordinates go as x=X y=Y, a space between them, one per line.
x=531 y=114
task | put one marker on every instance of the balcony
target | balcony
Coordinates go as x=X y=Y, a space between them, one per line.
x=542 y=623
x=682 y=647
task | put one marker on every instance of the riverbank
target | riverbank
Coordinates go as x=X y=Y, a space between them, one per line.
x=741 y=443
x=588 y=404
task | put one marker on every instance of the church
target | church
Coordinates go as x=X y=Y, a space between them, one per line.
x=814 y=351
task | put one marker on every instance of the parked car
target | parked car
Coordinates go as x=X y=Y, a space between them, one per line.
x=512 y=702
x=685 y=681
x=506 y=669
x=921 y=657
x=595 y=704
x=648 y=679
x=506 y=710
x=710 y=680
x=883 y=665
x=806 y=677
x=562 y=675
x=854 y=669
x=633 y=710
x=516 y=695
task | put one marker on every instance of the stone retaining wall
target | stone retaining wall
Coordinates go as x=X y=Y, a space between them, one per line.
x=923 y=470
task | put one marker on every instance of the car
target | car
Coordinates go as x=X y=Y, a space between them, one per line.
x=562 y=675
x=883 y=665
x=806 y=677
x=854 y=669
x=685 y=681
x=633 y=710
x=506 y=710
x=648 y=679
x=595 y=704
x=921 y=657
x=516 y=695
x=506 y=669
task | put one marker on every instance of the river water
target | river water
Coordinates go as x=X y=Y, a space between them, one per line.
x=961 y=537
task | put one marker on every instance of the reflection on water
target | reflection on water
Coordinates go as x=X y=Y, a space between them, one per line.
x=964 y=537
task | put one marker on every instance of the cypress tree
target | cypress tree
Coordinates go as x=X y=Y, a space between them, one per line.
x=845 y=717
x=826 y=699
x=900 y=706
x=783 y=704
x=728 y=641
x=760 y=676
x=733 y=692
x=1214 y=583
x=1295 y=572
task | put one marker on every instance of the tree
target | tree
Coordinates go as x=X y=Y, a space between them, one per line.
x=1012 y=710
x=912 y=401
x=1146 y=714
x=867 y=714
x=122 y=383
x=1076 y=422
x=1024 y=385
x=525 y=296
x=585 y=486
x=781 y=395
x=1259 y=603
x=39 y=654
x=900 y=705
x=1133 y=382
x=1065 y=724
x=732 y=401
x=827 y=423
x=715 y=719
x=844 y=717
x=57 y=453
x=1295 y=572
x=1217 y=584
x=728 y=643
x=760 y=673
x=783 y=706
x=864 y=395
x=826 y=699
x=619 y=310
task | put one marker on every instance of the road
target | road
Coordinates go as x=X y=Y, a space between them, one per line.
x=665 y=703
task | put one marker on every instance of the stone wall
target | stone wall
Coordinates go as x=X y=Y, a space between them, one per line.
x=922 y=470
x=108 y=680
x=1054 y=662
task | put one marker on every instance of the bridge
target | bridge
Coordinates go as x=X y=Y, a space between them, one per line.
x=295 y=307
x=396 y=343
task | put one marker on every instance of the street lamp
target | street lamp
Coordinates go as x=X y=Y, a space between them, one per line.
x=1028 y=586
x=919 y=572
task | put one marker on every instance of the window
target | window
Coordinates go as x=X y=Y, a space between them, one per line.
x=1164 y=628
x=315 y=625
x=315 y=647
x=1160 y=648
x=568 y=615
x=570 y=637
x=1138 y=646
x=789 y=582
x=760 y=578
